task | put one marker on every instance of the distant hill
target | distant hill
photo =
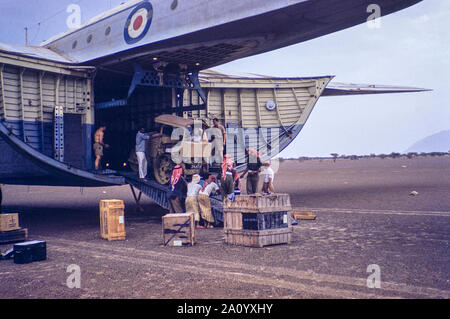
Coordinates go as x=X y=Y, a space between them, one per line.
x=439 y=142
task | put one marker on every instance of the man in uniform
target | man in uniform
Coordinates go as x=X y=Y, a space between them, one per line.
x=99 y=146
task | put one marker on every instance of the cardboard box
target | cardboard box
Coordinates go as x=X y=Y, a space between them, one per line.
x=178 y=229
x=9 y=222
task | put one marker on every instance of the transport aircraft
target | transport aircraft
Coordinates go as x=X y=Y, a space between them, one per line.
x=147 y=58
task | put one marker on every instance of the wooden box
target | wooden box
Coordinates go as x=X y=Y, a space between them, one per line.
x=303 y=215
x=258 y=220
x=112 y=220
x=257 y=212
x=9 y=222
x=258 y=238
x=30 y=251
x=13 y=236
x=178 y=229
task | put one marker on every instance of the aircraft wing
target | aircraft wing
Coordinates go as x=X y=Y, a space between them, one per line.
x=34 y=52
x=342 y=89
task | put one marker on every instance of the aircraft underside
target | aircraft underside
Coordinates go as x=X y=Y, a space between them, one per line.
x=223 y=43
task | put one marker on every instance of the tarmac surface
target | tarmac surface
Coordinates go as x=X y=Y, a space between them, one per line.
x=365 y=216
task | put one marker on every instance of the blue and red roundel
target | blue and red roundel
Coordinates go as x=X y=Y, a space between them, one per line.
x=138 y=23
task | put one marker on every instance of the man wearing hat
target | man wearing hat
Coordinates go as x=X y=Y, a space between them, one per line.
x=177 y=191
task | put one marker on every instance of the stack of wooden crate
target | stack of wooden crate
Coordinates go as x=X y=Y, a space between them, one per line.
x=112 y=219
x=10 y=231
x=258 y=220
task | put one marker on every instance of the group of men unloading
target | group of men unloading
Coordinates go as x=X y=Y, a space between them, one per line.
x=194 y=196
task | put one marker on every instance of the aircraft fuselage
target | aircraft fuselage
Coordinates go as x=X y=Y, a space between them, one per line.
x=200 y=34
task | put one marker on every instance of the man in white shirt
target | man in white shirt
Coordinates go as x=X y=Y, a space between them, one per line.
x=268 y=179
x=141 y=138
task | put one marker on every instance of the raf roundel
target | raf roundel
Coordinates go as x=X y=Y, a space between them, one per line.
x=138 y=23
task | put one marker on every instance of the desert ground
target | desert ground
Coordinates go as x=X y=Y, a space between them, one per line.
x=365 y=216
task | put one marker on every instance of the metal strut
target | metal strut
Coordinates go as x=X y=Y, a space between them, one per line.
x=155 y=78
x=195 y=84
x=137 y=199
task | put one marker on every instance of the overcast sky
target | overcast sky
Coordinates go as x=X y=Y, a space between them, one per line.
x=412 y=48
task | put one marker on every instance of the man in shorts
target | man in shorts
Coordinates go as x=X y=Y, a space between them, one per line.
x=99 y=146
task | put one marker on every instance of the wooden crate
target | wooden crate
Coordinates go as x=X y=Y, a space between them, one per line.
x=178 y=229
x=13 y=236
x=258 y=238
x=303 y=215
x=269 y=212
x=258 y=220
x=9 y=222
x=112 y=220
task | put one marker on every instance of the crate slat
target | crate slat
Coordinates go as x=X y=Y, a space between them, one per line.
x=258 y=238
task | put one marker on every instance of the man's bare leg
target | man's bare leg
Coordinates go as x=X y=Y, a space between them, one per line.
x=97 y=162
